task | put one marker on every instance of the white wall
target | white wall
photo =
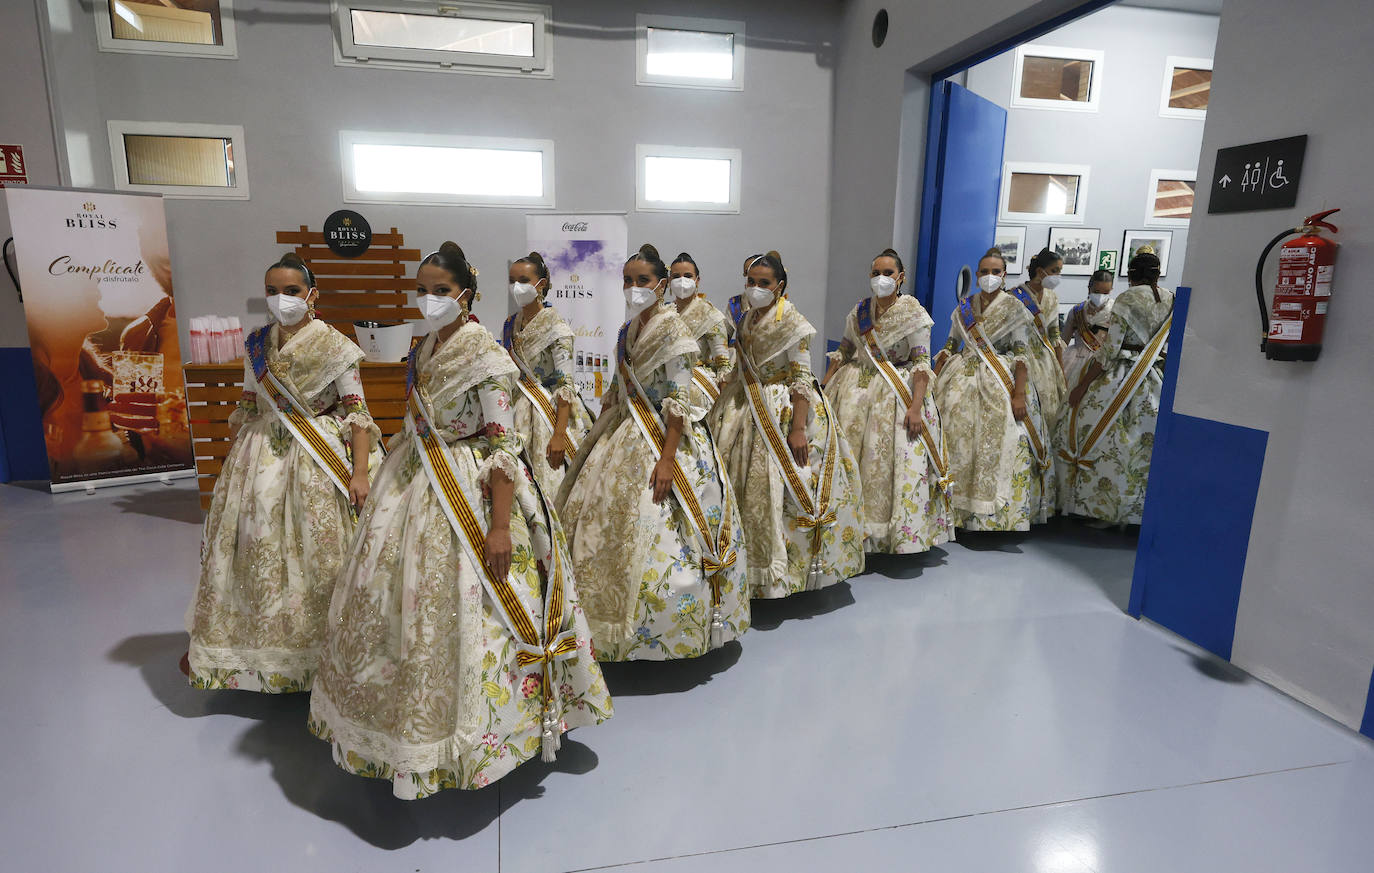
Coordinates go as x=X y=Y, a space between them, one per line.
x=25 y=120
x=1121 y=142
x=1306 y=614
x=292 y=101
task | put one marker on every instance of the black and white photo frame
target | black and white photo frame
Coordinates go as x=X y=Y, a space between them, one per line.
x=1010 y=240
x=1078 y=247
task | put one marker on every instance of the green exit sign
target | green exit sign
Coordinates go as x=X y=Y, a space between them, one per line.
x=1106 y=260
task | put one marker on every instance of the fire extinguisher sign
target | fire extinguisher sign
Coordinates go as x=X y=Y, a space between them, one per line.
x=13 y=170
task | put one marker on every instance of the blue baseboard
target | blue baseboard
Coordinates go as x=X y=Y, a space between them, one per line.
x=23 y=456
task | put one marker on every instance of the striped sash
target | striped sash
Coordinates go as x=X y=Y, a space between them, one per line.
x=974 y=334
x=1084 y=330
x=297 y=417
x=1022 y=293
x=533 y=391
x=1077 y=456
x=537 y=649
x=895 y=381
x=704 y=380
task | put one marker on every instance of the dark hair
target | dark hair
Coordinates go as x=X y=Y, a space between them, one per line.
x=685 y=258
x=773 y=261
x=995 y=252
x=450 y=257
x=1101 y=276
x=1043 y=260
x=749 y=262
x=1143 y=267
x=649 y=255
x=892 y=253
x=293 y=261
x=536 y=260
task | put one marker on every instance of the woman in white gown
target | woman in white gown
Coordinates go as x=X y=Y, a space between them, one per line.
x=653 y=523
x=990 y=409
x=281 y=519
x=791 y=465
x=1044 y=358
x=879 y=383
x=456 y=648
x=1086 y=325
x=1114 y=406
x=549 y=413
x=707 y=325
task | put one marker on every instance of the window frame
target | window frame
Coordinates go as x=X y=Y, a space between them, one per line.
x=348 y=53
x=116 y=130
x=1009 y=168
x=1063 y=53
x=349 y=138
x=643 y=152
x=643 y=22
x=1157 y=176
x=1172 y=63
x=106 y=41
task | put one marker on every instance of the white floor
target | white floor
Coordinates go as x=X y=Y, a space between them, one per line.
x=987 y=707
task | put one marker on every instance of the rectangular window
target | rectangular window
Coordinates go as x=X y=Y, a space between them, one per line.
x=500 y=38
x=1171 y=196
x=1044 y=192
x=689 y=52
x=434 y=168
x=681 y=179
x=204 y=161
x=1187 y=87
x=196 y=28
x=1050 y=77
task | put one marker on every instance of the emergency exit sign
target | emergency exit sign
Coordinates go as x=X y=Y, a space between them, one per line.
x=1260 y=175
x=13 y=171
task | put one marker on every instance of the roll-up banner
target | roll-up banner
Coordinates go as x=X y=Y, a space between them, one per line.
x=97 y=286
x=585 y=254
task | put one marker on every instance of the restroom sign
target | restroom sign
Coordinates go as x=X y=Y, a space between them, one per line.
x=13 y=170
x=1260 y=175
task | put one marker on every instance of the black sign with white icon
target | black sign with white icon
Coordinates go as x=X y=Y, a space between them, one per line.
x=347 y=233
x=1261 y=175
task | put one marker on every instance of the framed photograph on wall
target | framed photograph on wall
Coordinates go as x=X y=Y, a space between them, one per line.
x=1134 y=240
x=1078 y=247
x=1011 y=242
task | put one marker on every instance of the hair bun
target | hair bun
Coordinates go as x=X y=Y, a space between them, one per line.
x=292 y=258
x=888 y=253
x=683 y=256
x=536 y=257
x=774 y=255
x=650 y=253
x=452 y=248
x=993 y=252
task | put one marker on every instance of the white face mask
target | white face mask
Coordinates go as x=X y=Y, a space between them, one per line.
x=683 y=287
x=989 y=283
x=438 y=310
x=638 y=299
x=758 y=297
x=286 y=309
x=1050 y=282
x=1097 y=299
x=883 y=286
x=523 y=293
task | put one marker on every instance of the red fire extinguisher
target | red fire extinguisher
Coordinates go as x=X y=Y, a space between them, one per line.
x=1307 y=267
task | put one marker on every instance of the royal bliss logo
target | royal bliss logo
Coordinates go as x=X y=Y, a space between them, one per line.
x=89 y=219
x=347 y=233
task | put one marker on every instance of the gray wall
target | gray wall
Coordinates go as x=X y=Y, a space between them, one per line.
x=24 y=119
x=292 y=101
x=1121 y=142
x=1306 y=615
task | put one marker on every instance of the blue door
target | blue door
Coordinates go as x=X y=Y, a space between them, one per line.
x=963 y=174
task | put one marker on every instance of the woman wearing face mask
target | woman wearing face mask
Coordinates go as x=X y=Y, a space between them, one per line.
x=707 y=325
x=1110 y=429
x=790 y=464
x=549 y=413
x=1046 y=364
x=654 y=528
x=879 y=383
x=456 y=649
x=282 y=517
x=990 y=408
x=1086 y=325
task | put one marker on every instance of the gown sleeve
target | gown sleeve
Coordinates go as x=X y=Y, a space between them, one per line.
x=800 y=379
x=919 y=343
x=248 y=403
x=716 y=343
x=354 y=406
x=676 y=396
x=498 y=425
x=564 y=386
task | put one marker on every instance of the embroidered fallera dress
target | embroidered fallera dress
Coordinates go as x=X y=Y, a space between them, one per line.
x=711 y=329
x=1113 y=433
x=654 y=588
x=424 y=682
x=906 y=508
x=792 y=546
x=279 y=528
x=1042 y=361
x=544 y=346
x=997 y=479
x=1085 y=331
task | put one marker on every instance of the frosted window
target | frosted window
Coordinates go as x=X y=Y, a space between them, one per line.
x=686 y=180
x=685 y=54
x=446 y=170
x=206 y=162
x=442 y=33
x=192 y=21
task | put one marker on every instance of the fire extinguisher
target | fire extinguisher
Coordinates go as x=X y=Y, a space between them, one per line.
x=1307 y=267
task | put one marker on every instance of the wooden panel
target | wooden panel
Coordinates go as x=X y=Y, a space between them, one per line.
x=364 y=298
x=364 y=283
x=345 y=268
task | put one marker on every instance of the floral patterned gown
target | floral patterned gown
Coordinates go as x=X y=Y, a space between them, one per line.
x=1078 y=352
x=1042 y=361
x=787 y=552
x=905 y=509
x=711 y=329
x=646 y=593
x=997 y=481
x=278 y=529
x=545 y=344
x=419 y=683
x=1112 y=488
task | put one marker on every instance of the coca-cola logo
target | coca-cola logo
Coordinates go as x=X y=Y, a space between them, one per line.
x=575 y=227
x=347 y=233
